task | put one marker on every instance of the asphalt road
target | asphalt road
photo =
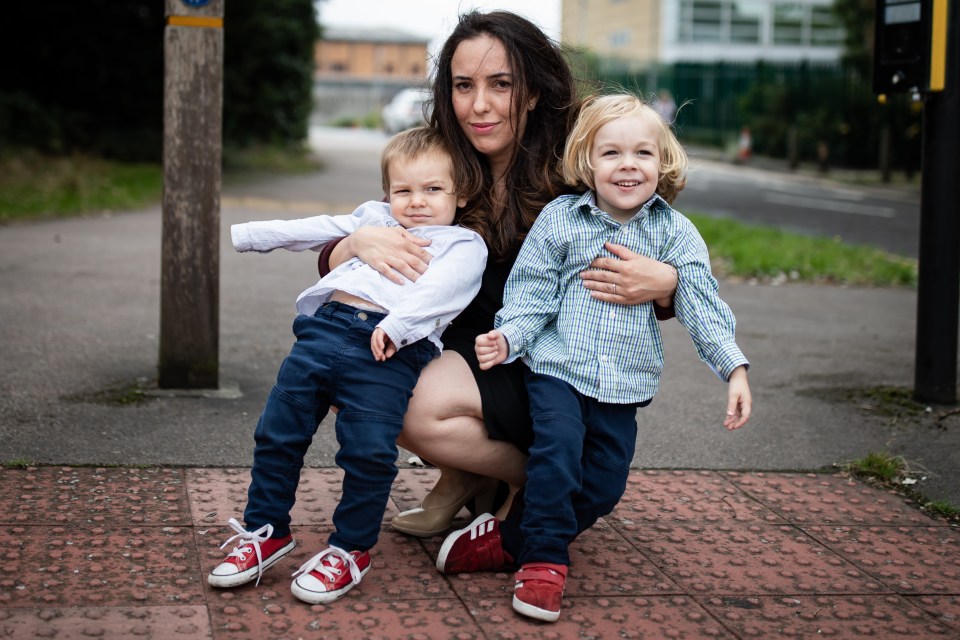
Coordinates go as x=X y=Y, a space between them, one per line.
x=799 y=202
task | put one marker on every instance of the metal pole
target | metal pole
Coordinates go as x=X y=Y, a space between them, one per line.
x=938 y=291
x=190 y=263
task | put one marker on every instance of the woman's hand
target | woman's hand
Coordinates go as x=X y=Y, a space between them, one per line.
x=393 y=251
x=630 y=278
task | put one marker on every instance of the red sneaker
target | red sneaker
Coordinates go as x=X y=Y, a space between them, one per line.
x=255 y=553
x=476 y=547
x=323 y=577
x=539 y=590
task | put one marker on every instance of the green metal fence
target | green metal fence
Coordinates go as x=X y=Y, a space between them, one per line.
x=793 y=110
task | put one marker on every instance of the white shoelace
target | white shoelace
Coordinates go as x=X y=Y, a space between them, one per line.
x=330 y=571
x=250 y=539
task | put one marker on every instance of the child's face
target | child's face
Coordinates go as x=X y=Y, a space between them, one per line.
x=626 y=159
x=421 y=191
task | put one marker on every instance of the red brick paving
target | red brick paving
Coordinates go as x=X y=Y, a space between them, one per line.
x=123 y=553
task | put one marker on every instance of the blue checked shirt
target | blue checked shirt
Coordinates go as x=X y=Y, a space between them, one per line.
x=610 y=352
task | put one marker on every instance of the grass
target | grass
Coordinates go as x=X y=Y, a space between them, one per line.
x=269 y=159
x=882 y=466
x=34 y=186
x=752 y=251
x=893 y=472
x=18 y=463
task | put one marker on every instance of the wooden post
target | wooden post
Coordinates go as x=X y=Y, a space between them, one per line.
x=190 y=262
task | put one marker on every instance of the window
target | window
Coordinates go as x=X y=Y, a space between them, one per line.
x=619 y=39
x=757 y=22
x=745 y=20
x=788 y=19
x=720 y=21
x=824 y=29
x=707 y=21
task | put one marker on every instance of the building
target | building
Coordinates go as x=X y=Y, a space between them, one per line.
x=371 y=54
x=357 y=71
x=668 y=31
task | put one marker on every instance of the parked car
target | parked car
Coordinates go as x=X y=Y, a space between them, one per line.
x=407 y=109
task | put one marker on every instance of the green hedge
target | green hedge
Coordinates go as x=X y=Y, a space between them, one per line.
x=88 y=76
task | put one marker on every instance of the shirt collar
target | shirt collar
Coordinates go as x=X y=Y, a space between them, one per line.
x=587 y=203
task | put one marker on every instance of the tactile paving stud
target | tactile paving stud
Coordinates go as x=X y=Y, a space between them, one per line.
x=216 y=495
x=687 y=497
x=749 y=559
x=843 y=617
x=188 y=622
x=906 y=559
x=667 y=617
x=92 y=566
x=345 y=619
x=828 y=499
x=603 y=563
x=946 y=609
x=87 y=495
x=412 y=486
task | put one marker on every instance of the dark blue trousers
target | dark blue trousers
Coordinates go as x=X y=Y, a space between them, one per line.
x=331 y=364
x=577 y=471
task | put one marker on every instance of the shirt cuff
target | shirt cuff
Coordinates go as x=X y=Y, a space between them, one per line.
x=240 y=237
x=727 y=358
x=323 y=261
x=514 y=343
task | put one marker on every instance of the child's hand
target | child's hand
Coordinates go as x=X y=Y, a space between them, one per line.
x=491 y=348
x=739 y=403
x=381 y=345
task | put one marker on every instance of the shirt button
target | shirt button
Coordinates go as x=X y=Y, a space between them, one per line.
x=403 y=342
x=613 y=314
x=603 y=358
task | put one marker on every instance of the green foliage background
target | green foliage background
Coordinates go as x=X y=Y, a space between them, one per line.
x=88 y=76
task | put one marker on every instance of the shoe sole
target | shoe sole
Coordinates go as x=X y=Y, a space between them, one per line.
x=249 y=575
x=453 y=537
x=323 y=597
x=531 y=611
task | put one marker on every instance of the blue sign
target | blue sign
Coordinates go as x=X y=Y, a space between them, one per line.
x=195 y=3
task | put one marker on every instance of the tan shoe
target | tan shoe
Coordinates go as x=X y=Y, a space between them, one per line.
x=429 y=520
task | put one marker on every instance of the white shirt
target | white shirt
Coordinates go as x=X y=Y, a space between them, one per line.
x=416 y=310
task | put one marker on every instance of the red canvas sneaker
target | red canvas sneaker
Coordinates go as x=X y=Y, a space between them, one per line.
x=539 y=590
x=255 y=553
x=329 y=575
x=476 y=547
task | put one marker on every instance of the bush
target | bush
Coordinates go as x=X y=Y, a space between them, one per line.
x=87 y=77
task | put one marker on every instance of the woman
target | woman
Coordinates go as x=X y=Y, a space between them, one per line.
x=504 y=97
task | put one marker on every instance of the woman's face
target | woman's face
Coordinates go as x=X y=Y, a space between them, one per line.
x=483 y=86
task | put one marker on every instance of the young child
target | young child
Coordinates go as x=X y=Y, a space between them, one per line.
x=362 y=341
x=591 y=364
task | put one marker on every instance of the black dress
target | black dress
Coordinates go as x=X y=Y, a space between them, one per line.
x=503 y=394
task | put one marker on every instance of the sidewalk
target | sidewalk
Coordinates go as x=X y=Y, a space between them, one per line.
x=123 y=553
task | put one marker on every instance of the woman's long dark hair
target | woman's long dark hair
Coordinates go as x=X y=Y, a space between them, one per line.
x=533 y=175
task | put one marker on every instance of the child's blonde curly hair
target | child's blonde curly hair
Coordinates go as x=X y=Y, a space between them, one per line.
x=598 y=111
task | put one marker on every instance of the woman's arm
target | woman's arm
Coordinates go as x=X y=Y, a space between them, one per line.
x=631 y=278
x=394 y=252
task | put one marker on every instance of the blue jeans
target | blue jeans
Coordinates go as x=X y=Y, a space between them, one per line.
x=577 y=471
x=331 y=364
